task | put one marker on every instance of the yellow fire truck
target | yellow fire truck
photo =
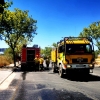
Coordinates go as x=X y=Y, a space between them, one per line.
x=73 y=54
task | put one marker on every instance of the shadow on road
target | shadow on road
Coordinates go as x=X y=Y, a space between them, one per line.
x=82 y=78
x=18 y=69
x=79 y=77
x=24 y=75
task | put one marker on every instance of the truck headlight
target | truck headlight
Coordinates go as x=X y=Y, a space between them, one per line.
x=68 y=66
x=90 y=65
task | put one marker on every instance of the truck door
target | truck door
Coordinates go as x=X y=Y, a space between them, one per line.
x=30 y=55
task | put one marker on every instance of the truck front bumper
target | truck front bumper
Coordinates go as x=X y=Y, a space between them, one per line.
x=80 y=66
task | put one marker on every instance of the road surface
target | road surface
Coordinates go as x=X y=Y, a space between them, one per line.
x=46 y=85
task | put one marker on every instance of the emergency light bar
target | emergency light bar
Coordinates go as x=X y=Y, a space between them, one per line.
x=78 y=38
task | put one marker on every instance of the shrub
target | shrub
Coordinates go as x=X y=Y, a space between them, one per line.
x=5 y=60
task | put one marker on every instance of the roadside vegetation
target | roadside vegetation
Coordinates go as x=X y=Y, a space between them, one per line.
x=97 y=59
x=16 y=28
x=5 y=60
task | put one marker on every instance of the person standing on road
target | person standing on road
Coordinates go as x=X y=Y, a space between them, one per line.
x=47 y=62
x=36 y=67
x=41 y=60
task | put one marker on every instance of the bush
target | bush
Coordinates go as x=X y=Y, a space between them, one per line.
x=5 y=60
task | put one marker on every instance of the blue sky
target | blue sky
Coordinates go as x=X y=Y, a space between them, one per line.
x=58 y=18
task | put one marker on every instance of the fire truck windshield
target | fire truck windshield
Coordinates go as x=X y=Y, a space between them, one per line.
x=78 y=48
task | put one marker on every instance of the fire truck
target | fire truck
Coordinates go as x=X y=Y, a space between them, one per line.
x=73 y=54
x=28 y=55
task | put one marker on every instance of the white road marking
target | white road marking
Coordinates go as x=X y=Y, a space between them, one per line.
x=7 y=82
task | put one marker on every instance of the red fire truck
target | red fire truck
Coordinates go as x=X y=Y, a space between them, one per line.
x=28 y=55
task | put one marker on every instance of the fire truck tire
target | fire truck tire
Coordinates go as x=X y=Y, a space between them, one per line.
x=87 y=71
x=61 y=71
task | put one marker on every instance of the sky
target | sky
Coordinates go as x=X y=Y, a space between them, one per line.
x=58 y=18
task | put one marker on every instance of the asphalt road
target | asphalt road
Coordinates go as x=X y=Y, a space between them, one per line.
x=46 y=85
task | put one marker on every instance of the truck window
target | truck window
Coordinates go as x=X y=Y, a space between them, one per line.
x=61 y=49
x=78 y=48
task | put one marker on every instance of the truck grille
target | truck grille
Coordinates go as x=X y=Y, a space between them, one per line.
x=78 y=60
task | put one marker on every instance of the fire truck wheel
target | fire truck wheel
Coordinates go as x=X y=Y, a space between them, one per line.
x=61 y=71
x=87 y=71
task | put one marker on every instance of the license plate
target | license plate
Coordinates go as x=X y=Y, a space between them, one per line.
x=79 y=65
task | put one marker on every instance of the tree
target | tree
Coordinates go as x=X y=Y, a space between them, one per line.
x=96 y=53
x=22 y=41
x=41 y=51
x=1 y=6
x=92 y=31
x=16 y=25
x=8 y=53
x=4 y=5
x=47 y=50
x=54 y=44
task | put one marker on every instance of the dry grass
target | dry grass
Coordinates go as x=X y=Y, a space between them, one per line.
x=5 y=60
x=97 y=60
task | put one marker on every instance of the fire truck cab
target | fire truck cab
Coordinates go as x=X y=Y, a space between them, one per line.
x=73 y=54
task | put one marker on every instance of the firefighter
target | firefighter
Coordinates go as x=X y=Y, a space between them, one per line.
x=47 y=62
x=36 y=63
x=41 y=60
